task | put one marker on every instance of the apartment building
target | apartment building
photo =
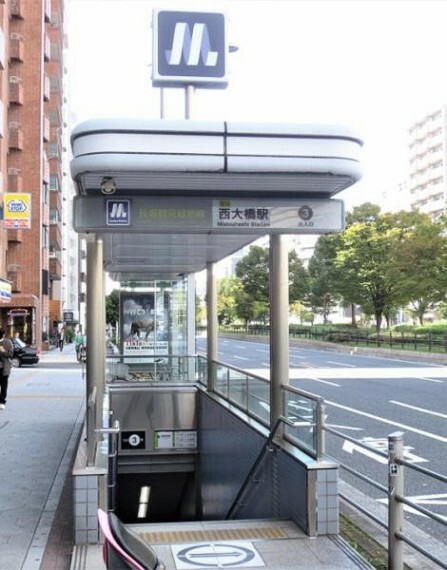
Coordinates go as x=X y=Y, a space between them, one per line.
x=31 y=173
x=428 y=163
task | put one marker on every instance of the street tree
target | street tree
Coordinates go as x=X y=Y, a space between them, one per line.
x=420 y=265
x=228 y=290
x=364 y=260
x=322 y=297
x=113 y=306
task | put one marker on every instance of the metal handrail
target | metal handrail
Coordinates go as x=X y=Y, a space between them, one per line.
x=396 y=499
x=266 y=447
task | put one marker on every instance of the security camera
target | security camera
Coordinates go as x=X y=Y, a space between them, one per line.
x=108 y=186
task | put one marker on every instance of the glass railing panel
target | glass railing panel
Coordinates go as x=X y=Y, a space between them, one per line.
x=301 y=411
x=237 y=389
x=221 y=379
x=259 y=399
x=162 y=368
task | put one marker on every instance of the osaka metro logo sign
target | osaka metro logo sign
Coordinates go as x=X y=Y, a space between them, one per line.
x=189 y=48
x=118 y=212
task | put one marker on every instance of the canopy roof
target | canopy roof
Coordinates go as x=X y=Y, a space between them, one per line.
x=158 y=163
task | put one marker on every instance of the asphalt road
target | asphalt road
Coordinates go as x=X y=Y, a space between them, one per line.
x=369 y=398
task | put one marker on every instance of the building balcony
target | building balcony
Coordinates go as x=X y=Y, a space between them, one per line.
x=15 y=181
x=46 y=88
x=46 y=129
x=45 y=171
x=16 y=277
x=47 y=48
x=16 y=92
x=15 y=236
x=55 y=201
x=55 y=237
x=16 y=47
x=17 y=9
x=15 y=137
x=47 y=10
x=55 y=269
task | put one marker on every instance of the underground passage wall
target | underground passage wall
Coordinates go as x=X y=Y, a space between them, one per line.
x=201 y=479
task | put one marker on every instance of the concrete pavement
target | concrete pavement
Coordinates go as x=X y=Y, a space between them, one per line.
x=39 y=430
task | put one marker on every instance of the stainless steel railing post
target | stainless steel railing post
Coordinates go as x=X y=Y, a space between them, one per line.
x=112 y=463
x=395 y=507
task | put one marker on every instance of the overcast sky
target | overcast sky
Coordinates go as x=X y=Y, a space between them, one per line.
x=373 y=65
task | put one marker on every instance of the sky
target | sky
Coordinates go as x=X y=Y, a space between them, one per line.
x=372 y=65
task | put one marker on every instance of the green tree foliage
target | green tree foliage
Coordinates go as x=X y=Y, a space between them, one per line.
x=228 y=291
x=420 y=265
x=365 y=260
x=253 y=272
x=200 y=311
x=366 y=212
x=299 y=282
x=253 y=303
x=113 y=307
x=322 y=296
x=385 y=261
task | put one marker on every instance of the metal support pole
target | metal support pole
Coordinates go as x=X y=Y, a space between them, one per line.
x=320 y=433
x=95 y=339
x=211 y=320
x=189 y=92
x=191 y=324
x=162 y=103
x=279 y=323
x=395 y=507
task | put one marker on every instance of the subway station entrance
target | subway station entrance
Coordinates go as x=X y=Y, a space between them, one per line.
x=172 y=437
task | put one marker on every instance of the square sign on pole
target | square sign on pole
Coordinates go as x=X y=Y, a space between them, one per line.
x=189 y=48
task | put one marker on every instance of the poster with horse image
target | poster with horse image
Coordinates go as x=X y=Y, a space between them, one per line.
x=142 y=323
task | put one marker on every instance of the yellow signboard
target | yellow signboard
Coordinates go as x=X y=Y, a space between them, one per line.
x=17 y=210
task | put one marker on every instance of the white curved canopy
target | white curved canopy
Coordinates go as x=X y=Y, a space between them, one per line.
x=158 y=164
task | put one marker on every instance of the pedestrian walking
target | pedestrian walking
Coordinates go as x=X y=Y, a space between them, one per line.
x=60 y=336
x=6 y=353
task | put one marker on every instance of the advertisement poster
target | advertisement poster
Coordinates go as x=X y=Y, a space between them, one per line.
x=17 y=211
x=142 y=326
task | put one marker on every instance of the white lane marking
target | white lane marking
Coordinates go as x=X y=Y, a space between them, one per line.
x=335 y=426
x=423 y=410
x=265 y=364
x=320 y=380
x=383 y=373
x=240 y=357
x=350 y=447
x=341 y=364
x=296 y=356
x=359 y=373
x=431 y=380
x=429 y=500
x=241 y=346
x=381 y=444
x=390 y=422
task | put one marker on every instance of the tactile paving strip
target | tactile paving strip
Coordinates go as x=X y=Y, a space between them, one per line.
x=175 y=536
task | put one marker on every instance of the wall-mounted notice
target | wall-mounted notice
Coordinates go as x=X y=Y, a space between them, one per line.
x=175 y=439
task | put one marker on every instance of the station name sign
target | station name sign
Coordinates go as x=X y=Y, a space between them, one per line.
x=207 y=215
